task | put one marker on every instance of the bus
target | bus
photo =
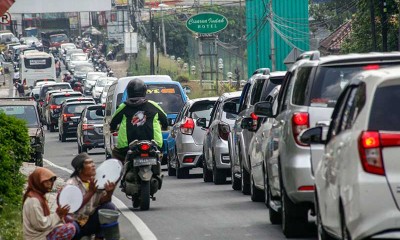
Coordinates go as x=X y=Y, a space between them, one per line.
x=36 y=65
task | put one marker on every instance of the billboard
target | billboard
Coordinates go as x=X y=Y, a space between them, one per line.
x=51 y=6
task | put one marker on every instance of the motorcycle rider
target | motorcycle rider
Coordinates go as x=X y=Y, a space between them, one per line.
x=138 y=119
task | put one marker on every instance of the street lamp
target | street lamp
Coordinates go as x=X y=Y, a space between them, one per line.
x=220 y=67
x=193 y=68
x=229 y=75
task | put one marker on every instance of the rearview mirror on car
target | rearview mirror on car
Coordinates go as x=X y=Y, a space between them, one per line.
x=100 y=112
x=171 y=122
x=230 y=107
x=263 y=109
x=201 y=122
x=313 y=135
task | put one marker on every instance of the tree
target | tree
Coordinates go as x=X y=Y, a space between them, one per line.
x=361 y=36
x=331 y=14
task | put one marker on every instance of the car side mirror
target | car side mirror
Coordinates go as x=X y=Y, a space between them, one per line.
x=263 y=109
x=248 y=124
x=313 y=135
x=100 y=112
x=230 y=107
x=201 y=122
x=171 y=122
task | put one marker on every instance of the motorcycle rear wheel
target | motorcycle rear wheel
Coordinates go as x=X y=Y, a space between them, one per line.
x=145 y=195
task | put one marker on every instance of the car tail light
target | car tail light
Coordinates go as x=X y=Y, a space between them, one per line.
x=187 y=127
x=144 y=147
x=189 y=159
x=370 y=152
x=67 y=94
x=306 y=188
x=66 y=116
x=86 y=126
x=300 y=121
x=41 y=103
x=54 y=107
x=371 y=67
x=223 y=131
x=115 y=134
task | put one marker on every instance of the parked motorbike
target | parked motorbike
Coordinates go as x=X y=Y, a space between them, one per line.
x=142 y=176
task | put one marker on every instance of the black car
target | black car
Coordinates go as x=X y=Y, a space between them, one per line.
x=69 y=119
x=90 y=129
x=52 y=110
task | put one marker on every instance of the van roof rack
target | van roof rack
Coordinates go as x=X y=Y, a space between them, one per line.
x=312 y=55
x=263 y=71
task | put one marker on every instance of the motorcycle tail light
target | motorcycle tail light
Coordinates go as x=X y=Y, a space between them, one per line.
x=144 y=147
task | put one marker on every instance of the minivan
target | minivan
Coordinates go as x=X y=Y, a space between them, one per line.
x=160 y=89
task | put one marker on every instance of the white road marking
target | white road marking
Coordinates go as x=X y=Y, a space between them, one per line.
x=137 y=223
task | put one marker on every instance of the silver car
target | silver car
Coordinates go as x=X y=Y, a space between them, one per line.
x=357 y=180
x=189 y=136
x=307 y=98
x=216 y=159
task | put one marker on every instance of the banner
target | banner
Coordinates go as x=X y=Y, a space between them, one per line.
x=52 y=6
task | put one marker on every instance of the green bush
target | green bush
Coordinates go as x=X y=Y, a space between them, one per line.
x=182 y=79
x=14 y=149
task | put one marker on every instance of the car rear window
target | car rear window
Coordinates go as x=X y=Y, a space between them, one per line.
x=92 y=116
x=331 y=80
x=230 y=116
x=26 y=113
x=60 y=99
x=383 y=115
x=45 y=88
x=76 y=108
x=201 y=110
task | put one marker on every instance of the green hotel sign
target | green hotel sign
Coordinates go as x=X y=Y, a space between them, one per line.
x=207 y=23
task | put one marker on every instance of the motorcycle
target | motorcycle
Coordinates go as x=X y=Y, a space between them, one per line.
x=142 y=176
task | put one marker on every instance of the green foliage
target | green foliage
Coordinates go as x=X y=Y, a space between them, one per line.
x=361 y=39
x=331 y=14
x=14 y=149
x=11 y=221
x=182 y=79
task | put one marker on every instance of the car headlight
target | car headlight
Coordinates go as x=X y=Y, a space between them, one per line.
x=33 y=140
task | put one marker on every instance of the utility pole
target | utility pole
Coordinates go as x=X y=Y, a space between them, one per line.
x=152 y=70
x=163 y=27
x=373 y=25
x=384 y=25
x=272 y=32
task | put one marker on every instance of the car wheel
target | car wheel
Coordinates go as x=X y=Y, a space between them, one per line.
x=219 y=176
x=59 y=136
x=244 y=181
x=345 y=231
x=256 y=194
x=181 y=173
x=236 y=184
x=207 y=174
x=294 y=218
x=322 y=234
x=52 y=127
x=79 y=148
x=39 y=159
x=171 y=171
x=63 y=137
x=84 y=149
x=275 y=217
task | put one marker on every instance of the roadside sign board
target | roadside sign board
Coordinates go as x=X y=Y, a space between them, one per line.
x=207 y=23
x=5 y=18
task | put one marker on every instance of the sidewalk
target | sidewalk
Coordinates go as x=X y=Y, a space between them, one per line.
x=5 y=90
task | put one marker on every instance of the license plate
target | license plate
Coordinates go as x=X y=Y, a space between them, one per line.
x=137 y=162
x=71 y=123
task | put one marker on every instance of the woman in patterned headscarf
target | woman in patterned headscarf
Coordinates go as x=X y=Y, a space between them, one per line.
x=38 y=222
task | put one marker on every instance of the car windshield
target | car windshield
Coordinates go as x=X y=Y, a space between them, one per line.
x=103 y=82
x=83 y=68
x=168 y=96
x=45 y=88
x=76 y=108
x=60 y=99
x=59 y=38
x=26 y=113
x=201 y=110
x=80 y=57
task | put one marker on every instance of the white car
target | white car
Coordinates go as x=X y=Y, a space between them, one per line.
x=90 y=80
x=76 y=59
x=100 y=84
x=103 y=95
x=358 y=178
